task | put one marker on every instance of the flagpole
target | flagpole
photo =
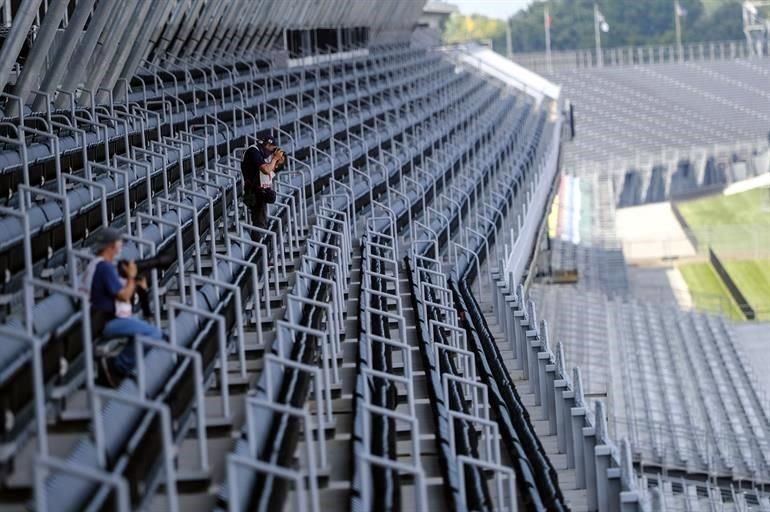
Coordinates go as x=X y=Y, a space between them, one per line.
x=597 y=35
x=547 y=21
x=678 y=25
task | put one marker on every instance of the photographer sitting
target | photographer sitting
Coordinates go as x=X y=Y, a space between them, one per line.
x=259 y=165
x=112 y=305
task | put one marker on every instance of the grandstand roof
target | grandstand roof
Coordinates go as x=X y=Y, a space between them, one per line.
x=507 y=71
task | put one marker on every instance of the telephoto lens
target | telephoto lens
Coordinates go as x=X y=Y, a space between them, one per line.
x=160 y=261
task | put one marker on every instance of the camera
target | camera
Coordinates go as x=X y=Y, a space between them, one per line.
x=147 y=264
x=142 y=268
x=282 y=161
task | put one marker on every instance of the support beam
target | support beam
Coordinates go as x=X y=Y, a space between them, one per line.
x=15 y=40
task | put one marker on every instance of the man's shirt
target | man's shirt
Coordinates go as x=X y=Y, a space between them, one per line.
x=253 y=160
x=105 y=286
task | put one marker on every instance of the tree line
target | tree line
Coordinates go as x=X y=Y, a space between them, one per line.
x=631 y=23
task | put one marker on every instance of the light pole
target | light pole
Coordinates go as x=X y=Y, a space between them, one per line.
x=597 y=36
x=678 y=26
x=547 y=22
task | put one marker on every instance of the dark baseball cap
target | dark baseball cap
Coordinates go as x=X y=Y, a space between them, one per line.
x=267 y=138
x=106 y=237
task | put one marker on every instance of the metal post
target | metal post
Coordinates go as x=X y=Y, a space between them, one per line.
x=597 y=37
x=678 y=27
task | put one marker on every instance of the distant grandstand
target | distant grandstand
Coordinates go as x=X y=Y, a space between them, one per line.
x=443 y=311
x=661 y=225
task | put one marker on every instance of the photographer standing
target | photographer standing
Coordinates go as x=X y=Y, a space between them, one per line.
x=259 y=165
x=111 y=304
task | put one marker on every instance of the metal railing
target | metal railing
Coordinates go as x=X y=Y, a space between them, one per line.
x=563 y=61
x=225 y=182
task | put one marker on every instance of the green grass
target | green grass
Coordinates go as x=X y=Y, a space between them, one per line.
x=753 y=279
x=707 y=290
x=737 y=227
x=712 y=5
x=745 y=208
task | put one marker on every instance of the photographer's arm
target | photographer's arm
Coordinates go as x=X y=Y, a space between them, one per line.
x=127 y=292
x=267 y=168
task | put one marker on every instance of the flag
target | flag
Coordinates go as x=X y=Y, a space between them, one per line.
x=680 y=11
x=602 y=22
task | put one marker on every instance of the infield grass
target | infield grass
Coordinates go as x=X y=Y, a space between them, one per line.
x=707 y=290
x=753 y=279
x=737 y=227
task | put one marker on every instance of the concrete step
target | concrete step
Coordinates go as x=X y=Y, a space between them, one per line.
x=576 y=498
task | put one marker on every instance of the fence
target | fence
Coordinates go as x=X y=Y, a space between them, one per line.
x=722 y=246
x=734 y=241
x=647 y=158
x=732 y=287
x=633 y=55
x=687 y=299
x=714 y=445
x=731 y=241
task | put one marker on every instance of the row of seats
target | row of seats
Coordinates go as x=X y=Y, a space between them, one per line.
x=630 y=109
x=252 y=445
x=59 y=488
x=384 y=396
x=447 y=361
x=161 y=236
x=536 y=478
x=636 y=354
x=685 y=178
x=45 y=219
x=603 y=468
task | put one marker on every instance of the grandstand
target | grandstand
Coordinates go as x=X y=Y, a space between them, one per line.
x=385 y=343
x=670 y=131
x=660 y=221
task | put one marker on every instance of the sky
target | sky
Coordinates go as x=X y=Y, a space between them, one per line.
x=500 y=9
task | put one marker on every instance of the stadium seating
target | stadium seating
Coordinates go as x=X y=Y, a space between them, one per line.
x=668 y=131
x=636 y=353
x=625 y=110
x=674 y=382
x=394 y=141
x=155 y=233
x=378 y=345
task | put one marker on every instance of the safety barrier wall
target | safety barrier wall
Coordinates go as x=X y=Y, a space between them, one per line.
x=732 y=287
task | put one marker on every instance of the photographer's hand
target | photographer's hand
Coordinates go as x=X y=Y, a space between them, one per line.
x=280 y=160
x=127 y=293
x=130 y=269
